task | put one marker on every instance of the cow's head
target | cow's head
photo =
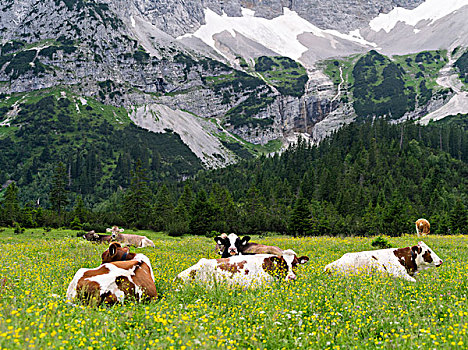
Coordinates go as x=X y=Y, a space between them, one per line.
x=116 y=252
x=284 y=266
x=115 y=229
x=232 y=244
x=91 y=236
x=425 y=256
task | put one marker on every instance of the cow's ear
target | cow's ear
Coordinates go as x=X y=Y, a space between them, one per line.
x=108 y=229
x=96 y=236
x=121 y=230
x=245 y=240
x=219 y=240
x=113 y=248
x=303 y=259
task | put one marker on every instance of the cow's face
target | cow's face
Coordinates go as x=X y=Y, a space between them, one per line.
x=425 y=256
x=115 y=253
x=284 y=266
x=232 y=244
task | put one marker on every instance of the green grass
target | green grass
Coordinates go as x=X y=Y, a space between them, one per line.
x=318 y=311
x=430 y=71
x=287 y=75
x=331 y=68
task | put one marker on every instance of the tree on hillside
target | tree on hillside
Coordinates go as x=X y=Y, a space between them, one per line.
x=137 y=207
x=458 y=218
x=299 y=222
x=202 y=214
x=254 y=211
x=11 y=208
x=58 y=195
x=162 y=210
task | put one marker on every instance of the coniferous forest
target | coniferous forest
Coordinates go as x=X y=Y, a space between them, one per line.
x=368 y=178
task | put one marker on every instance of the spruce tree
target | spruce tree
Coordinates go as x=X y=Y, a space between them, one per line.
x=299 y=223
x=11 y=208
x=58 y=195
x=201 y=215
x=458 y=218
x=163 y=208
x=137 y=203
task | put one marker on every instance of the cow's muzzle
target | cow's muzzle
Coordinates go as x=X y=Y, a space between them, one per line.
x=438 y=264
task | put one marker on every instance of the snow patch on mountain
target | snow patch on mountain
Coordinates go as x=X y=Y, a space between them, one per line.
x=430 y=10
x=279 y=34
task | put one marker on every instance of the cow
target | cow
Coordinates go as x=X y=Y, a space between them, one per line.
x=233 y=245
x=94 y=237
x=423 y=228
x=244 y=270
x=134 y=240
x=398 y=262
x=121 y=275
x=129 y=239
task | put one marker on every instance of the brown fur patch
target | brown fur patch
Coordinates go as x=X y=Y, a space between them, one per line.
x=192 y=274
x=231 y=267
x=89 y=290
x=405 y=258
x=275 y=266
x=256 y=248
x=427 y=257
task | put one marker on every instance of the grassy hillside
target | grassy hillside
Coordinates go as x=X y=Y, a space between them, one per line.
x=462 y=65
x=98 y=144
x=285 y=74
x=388 y=86
x=318 y=310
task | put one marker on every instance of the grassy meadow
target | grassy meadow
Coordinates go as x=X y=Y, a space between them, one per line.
x=318 y=311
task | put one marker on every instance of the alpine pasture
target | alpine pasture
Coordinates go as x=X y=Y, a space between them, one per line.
x=317 y=311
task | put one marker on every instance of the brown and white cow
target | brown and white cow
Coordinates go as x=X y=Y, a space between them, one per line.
x=401 y=262
x=244 y=270
x=94 y=237
x=233 y=245
x=122 y=275
x=129 y=239
x=423 y=228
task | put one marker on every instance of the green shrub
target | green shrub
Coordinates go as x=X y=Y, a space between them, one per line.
x=381 y=243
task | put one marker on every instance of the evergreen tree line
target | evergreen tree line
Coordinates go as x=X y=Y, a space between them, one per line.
x=368 y=178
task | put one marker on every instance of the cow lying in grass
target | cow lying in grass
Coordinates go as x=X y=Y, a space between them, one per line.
x=94 y=237
x=129 y=239
x=122 y=275
x=233 y=245
x=244 y=270
x=401 y=262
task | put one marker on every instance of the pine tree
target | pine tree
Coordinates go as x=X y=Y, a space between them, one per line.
x=11 y=208
x=58 y=195
x=162 y=211
x=458 y=218
x=201 y=215
x=299 y=223
x=79 y=210
x=136 y=208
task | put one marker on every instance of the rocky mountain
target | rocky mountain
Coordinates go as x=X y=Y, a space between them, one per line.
x=234 y=75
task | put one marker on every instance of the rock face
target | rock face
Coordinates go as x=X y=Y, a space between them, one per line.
x=125 y=53
x=178 y=17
